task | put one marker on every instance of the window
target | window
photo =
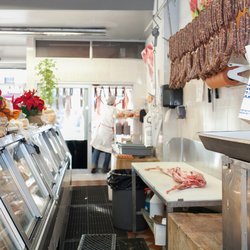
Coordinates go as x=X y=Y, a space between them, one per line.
x=45 y=48
x=117 y=49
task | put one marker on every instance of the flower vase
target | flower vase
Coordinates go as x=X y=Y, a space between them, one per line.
x=36 y=119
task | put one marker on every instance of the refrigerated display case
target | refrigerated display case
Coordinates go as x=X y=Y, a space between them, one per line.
x=25 y=168
x=14 y=199
x=47 y=153
x=35 y=175
x=54 y=153
x=9 y=236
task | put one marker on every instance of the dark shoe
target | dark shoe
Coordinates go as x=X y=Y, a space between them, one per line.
x=93 y=171
x=106 y=170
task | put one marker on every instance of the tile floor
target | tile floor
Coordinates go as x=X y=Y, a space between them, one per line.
x=79 y=179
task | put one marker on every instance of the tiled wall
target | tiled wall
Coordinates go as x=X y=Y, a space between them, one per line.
x=201 y=115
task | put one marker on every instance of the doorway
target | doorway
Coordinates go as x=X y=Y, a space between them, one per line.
x=100 y=94
x=73 y=109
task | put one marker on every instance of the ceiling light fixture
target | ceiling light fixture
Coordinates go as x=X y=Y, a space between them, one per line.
x=52 y=31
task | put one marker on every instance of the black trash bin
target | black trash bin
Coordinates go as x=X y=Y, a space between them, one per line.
x=120 y=181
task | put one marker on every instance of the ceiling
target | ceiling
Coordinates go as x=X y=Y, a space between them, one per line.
x=123 y=20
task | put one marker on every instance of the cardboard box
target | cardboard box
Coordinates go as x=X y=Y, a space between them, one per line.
x=125 y=161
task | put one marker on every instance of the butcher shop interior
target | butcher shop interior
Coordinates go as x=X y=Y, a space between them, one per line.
x=125 y=125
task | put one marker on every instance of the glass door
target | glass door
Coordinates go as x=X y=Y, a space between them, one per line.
x=40 y=163
x=58 y=135
x=9 y=236
x=47 y=154
x=15 y=200
x=53 y=137
x=53 y=149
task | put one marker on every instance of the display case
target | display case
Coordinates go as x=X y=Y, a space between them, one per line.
x=28 y=176
x=50 y=150
x=34 y=181
x=9 y=236
x=15 y=200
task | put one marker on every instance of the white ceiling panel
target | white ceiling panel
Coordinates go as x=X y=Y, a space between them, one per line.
x=123 y=20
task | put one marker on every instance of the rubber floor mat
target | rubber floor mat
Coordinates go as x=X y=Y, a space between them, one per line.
x=97 y=195
x=79 y=196
x=99 y=219
x=90 y=213
x=131 y=244
x=97 y=242
x=89 y=195
x=70 y=245
x=77 y=222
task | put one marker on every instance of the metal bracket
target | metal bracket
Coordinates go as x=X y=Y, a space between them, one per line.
x=233 y=73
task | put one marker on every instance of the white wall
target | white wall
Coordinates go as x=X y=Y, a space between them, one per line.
x=201 y=115
x=93 y=71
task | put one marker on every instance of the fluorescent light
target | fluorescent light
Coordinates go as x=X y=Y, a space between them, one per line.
x=52 y=31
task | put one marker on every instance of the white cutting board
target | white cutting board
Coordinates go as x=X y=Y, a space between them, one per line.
x=161 y=182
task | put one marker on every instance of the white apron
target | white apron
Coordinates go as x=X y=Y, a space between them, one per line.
x=104 y=135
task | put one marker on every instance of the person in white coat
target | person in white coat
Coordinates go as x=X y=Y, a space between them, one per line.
x=104 y=135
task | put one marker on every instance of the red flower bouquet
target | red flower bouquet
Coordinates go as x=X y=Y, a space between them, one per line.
x=29 y=103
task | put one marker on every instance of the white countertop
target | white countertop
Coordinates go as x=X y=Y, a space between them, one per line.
x=161 y=182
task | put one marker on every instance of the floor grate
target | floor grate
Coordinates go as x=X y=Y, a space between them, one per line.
x=97 y=242
x=131 y=244
x=77 y=223
x=71 y=244
x=100 y=220
x=89 y=195
x=79 y=196
x=91 y=213
x=97 y=195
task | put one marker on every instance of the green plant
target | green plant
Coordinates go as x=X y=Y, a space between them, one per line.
x=48 y=80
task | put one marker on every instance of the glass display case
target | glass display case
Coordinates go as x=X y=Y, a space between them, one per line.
x=34 y=181
x=47 y=154
x=9 y=236
x=54 y=148
x=58 y=135
x=14 y=199
x=53 y=136
x=24 y=167
x=39 y=160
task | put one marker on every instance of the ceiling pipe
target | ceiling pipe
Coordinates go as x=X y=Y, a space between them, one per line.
x=51 y=31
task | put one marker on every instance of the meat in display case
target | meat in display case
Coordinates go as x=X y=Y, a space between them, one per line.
x=9 y=236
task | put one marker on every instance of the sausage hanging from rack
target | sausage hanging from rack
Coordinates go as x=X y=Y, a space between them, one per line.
x=236 y=8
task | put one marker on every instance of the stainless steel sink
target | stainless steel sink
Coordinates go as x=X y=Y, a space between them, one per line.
x=235 y=144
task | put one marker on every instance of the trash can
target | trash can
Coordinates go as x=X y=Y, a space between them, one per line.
x=120 y=181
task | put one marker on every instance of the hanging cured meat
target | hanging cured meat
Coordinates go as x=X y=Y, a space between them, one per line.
x=148 y=58
x=126 y=100
x=203 y=48
x=98 y=100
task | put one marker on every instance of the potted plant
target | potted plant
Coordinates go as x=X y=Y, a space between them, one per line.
x=48 y=80
x=31 y=105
